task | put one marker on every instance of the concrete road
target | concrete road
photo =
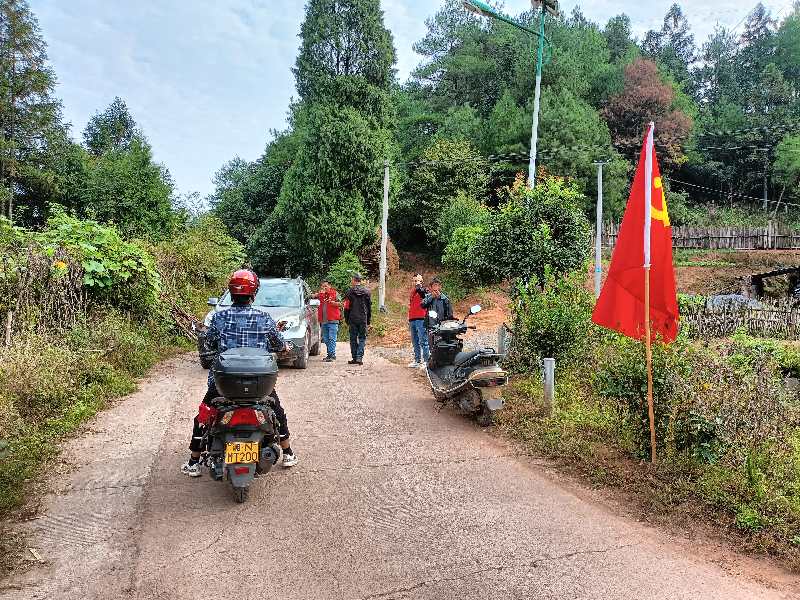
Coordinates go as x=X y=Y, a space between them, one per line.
x=390 y=500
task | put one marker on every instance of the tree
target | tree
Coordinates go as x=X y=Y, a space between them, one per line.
x=28 y=111
x=787 y=165
x=346 y=55
x=127 y=188
x=618 y=36
x=573 y=137
x=644 y=98
x=673 y=47
x=446 y=168
x=113 y=129
x=330 y=196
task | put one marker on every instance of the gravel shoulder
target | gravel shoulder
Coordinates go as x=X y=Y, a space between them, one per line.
x=391 y=499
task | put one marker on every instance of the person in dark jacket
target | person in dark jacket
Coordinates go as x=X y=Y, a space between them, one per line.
x=358 y=316
x=416 y=323
x=436 y=300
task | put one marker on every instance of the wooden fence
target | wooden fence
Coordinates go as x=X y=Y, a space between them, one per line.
x=775 y=236
x=776 y=322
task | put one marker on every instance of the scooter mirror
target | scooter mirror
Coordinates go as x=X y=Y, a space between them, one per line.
x=433 y=314
x=475 y=309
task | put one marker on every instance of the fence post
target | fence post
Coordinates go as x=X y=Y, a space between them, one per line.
x=549 y=383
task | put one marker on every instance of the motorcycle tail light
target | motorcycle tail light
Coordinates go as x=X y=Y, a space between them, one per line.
x=242 y=416
x=241 y=470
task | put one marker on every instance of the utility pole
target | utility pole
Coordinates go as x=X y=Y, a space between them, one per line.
x=766 y=168
x=598 y=234
x=384 y=239
x=536 y=96
x=480 y=7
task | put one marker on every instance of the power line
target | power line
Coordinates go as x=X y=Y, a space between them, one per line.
x=727 y=193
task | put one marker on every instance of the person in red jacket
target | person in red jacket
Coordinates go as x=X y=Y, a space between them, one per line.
x=416 y=324
x=330 y=314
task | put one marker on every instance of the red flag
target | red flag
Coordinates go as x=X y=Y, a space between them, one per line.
x=621 y=303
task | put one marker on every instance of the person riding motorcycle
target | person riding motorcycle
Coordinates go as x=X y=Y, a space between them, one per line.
x=240 y=326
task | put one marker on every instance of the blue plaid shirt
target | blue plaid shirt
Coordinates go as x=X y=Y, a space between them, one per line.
x=242 y=327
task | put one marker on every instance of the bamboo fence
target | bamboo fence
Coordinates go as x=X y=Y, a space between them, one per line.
x=775 y=236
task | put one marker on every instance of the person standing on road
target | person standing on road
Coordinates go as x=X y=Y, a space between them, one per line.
x=329 y=315
x=416 y=324
x=358 y=315
x=436 y=300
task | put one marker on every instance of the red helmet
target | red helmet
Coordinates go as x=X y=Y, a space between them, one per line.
x=243 y=283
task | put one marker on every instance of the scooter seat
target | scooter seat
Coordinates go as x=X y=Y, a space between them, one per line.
x=463 y=357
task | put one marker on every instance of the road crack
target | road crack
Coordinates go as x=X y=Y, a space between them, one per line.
x=532 y=564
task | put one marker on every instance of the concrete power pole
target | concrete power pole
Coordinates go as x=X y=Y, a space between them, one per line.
x=384 y=238
x=598 y=234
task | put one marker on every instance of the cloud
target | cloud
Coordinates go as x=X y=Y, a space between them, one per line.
x=207 y=79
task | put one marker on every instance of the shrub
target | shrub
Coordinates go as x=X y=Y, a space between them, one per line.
x=551 y=320
x=463 y=256
x=341 y=272
x=531 y=232
x=447 y=168
x=461 y=211
x=117 y=272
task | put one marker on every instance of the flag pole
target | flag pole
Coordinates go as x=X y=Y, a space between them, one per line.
x=648 y=193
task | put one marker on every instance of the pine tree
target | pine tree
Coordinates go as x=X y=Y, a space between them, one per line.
x=28 y=111
x=330 y=197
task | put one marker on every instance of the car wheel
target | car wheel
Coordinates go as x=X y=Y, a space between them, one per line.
x=301 y=362
x=315 y=348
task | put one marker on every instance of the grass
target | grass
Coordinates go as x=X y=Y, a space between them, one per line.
x=50 y=385
x=746 y=481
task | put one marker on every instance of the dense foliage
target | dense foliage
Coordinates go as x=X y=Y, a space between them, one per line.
x=530 y=233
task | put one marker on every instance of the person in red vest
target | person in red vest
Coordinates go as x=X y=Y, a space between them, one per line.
x=330 y=314
x=416 y=323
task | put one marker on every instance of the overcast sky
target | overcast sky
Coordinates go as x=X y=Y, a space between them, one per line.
x=207 y=79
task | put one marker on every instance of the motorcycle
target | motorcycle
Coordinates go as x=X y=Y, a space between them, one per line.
x=471 y=380
x=242 y=441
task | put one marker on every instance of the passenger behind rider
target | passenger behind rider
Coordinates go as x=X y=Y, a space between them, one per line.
x=240 y=326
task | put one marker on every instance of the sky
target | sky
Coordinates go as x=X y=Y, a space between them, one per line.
x=207 y=80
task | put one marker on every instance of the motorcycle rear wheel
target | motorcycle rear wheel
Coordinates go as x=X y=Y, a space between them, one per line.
x=240 y=494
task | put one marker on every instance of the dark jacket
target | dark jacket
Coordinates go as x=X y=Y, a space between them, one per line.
x=441 y=305
x=358 y=306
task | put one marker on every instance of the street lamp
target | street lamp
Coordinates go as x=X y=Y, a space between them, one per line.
x=551 y=7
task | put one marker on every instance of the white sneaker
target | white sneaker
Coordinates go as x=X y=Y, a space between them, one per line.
x=413 y=365
x=289 y=460
x=191 y=470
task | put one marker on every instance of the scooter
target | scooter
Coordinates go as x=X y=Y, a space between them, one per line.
x=472 y=380
x=242 y=441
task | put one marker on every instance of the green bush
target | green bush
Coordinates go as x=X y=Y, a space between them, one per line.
x=463 y=256
x=532 y=231
x=461 y=211
x=341 y=272
x=551 y=320
x=115 y=271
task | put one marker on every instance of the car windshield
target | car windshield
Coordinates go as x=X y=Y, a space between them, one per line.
x=273 y=293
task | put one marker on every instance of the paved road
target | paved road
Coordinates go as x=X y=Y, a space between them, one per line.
x=391 y=500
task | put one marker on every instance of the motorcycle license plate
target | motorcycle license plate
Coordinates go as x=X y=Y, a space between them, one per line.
x=241 y=452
